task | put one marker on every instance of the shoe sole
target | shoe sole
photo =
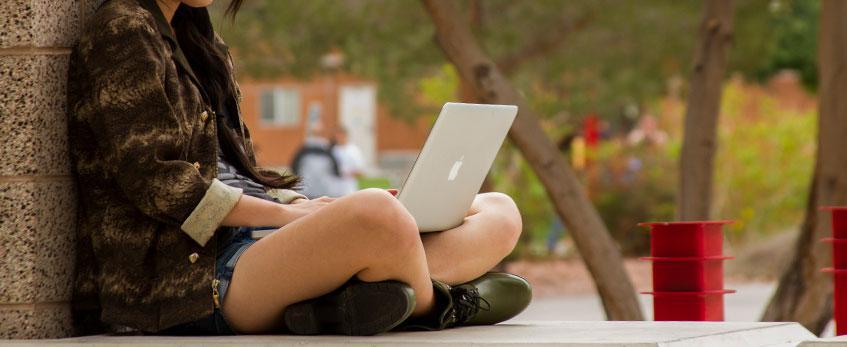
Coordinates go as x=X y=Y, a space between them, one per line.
x=358 y=309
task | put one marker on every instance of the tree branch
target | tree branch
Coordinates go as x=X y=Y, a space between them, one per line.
x=543 y=44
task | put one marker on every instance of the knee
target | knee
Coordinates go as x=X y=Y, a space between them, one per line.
x=383 y=220
x=505 y=216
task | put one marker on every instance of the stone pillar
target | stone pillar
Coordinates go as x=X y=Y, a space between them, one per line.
x=37 y=195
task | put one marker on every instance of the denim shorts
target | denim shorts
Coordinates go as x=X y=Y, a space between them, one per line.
x=232 y=247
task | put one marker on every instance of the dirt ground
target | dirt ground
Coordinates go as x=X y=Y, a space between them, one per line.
x=756 y=262
x=551 y=278
x=566 y=277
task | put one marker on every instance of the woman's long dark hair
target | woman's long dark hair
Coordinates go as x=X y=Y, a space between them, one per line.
x=193 y=29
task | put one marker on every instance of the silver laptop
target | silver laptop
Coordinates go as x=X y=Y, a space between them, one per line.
x=453 y=163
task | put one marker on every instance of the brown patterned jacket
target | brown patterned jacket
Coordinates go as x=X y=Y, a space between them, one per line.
x=143 y=143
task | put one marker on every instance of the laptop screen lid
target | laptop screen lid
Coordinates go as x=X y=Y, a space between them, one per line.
x=453 y=163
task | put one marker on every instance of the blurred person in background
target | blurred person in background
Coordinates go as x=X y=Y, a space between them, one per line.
x=351 y=164
x=647 y=131
x=165 y=246
x=316 y=165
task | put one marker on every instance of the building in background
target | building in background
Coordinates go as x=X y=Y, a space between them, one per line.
x=279 y=111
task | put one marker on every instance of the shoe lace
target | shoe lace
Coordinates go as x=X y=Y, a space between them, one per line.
x=467 y=303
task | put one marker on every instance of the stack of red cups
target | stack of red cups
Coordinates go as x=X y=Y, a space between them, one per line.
x=687 y=270
x=839 y=266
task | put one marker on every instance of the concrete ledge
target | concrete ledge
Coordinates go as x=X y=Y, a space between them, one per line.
x=827 y=342
x=549 y=333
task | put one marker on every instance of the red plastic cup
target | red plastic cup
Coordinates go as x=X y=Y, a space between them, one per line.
x=839 y=300
x=686 y=239
x=688 y=306
x=696 y=274
x=839 y=221
x=839 y=252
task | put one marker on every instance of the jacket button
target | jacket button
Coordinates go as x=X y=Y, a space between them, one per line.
x=193 y=257
x=196 y=165
x=204 y=116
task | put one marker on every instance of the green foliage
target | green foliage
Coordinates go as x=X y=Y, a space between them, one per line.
x=762 y=174
x=764 y=162
x=604 y=56
x=374 y=182
x=621 y=53
x=796 y=41
x=625 y=196
x=512 y=175
x=439 y=88
x=623 y=56
x=772 y=35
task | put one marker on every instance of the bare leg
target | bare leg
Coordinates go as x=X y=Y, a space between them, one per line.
x=367 y=234
x=488 y=234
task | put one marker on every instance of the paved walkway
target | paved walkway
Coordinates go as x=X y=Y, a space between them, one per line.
x=839 y=341
x=584 y=334
x=744 y=306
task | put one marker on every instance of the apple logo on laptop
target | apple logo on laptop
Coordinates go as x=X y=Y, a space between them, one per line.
x=454 y=171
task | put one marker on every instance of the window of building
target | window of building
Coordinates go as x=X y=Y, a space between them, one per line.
x=281 y=107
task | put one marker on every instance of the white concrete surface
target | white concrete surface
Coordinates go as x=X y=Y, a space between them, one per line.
x=550 y=333
x=826 y=342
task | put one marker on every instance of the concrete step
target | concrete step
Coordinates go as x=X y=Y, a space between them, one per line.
x=547 y=333
x=826 y=342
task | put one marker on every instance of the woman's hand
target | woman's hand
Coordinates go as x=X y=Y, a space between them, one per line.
x=254 y=212
x=303 y=207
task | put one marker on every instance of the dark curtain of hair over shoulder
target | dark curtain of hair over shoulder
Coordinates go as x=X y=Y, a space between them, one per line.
x=233 y=8
x=196 y=36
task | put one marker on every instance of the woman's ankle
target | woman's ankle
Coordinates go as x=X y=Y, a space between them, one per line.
x=424 y=302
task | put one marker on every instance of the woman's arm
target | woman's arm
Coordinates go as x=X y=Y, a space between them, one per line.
x=254 y=212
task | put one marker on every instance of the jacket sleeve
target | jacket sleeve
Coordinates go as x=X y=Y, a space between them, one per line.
x=142 y=137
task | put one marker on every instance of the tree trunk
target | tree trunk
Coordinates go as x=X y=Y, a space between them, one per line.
x=804 y=293
x=466 y=93
x=701 y=115
x=601 y=254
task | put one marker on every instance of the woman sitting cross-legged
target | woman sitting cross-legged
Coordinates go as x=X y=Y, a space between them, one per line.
x=169 y=194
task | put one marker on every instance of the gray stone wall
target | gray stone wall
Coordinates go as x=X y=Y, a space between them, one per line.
x=37 y=196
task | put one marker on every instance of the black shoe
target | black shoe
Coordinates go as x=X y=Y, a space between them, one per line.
x=489 y=299
x=357 y=308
